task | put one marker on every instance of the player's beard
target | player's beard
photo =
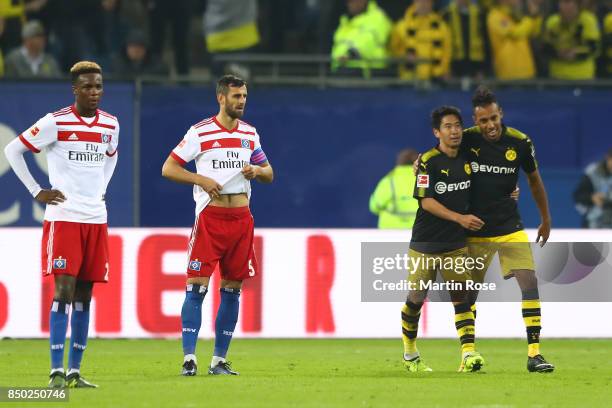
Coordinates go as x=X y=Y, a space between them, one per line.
x=233 y=113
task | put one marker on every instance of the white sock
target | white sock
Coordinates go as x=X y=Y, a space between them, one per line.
x=190 y=357
x=411 y=356
x=56 y=370
x=73 y=370
x=216 y=360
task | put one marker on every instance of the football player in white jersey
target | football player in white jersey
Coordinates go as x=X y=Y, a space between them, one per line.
x=80 y=142
x=228 y=154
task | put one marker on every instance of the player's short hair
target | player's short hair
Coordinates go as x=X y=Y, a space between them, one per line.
x=439 y=113
x=84 y=67
x=227 y=81
x=483 y=96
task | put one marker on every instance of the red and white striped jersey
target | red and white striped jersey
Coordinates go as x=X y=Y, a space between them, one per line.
x=76 y=149
x=220 y=154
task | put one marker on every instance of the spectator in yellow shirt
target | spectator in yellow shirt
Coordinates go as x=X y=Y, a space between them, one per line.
x=572 y=42
x=423 y=39
x=510 y=32
x=1 y=58
x=465 y=20
x=15 y=13
x=607 y=57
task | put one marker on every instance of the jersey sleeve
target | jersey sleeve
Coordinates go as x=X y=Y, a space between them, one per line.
x=40 y=135
x=424 y=185
x=528 y=160
x=188 y=148
x=258 y=156
x=111 y=150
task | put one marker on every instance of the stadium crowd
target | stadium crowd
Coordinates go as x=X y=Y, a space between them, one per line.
x=414 y=39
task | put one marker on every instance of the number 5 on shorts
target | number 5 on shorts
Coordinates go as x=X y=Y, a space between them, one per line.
x=251 y=268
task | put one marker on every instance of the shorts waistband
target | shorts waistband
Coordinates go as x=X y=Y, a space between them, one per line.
x=226 y=212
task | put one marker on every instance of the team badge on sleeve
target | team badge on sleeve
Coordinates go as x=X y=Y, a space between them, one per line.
x=246 y=144
x=183 y=142
x=59 y=263
x=34 y=131
x=106 y=138
x=195 y=265
x=423 y=181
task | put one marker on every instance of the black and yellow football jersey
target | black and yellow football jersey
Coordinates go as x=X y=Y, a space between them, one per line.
x=446 y=179
x=495 y=171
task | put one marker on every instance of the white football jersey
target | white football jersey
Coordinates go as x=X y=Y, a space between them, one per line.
x=76 y=153
x=220 y=154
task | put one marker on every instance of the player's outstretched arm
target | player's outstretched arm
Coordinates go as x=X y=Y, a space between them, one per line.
x=467 y=221
x=262 y=173
x=14 y=154
x=538 y=191
x=172 y=170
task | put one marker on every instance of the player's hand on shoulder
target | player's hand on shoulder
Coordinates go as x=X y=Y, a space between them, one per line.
x=51 y=197
x=210 y=186
x=250 y=171
x=470 y=222
x=416 y=164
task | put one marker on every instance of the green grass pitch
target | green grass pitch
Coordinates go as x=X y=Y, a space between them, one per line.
x=322 y=373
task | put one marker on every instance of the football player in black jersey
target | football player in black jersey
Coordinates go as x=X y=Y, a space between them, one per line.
x=496 y=153
x=438 y=241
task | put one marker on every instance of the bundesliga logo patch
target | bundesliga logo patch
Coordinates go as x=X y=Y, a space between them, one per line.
x=423 y=180
x=195 y=265
x=34 y=131
x=246 y=144
x=59 y=263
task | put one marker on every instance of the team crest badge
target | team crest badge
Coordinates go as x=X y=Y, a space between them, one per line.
x=195 y=265
x=106 y=138
x=423 y=180
x=59 y=263
x=246 y=144
x=467 y=168
x=34 y=131
x=510 y=154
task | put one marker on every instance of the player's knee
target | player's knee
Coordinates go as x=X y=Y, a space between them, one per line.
x=202 y=281
x=82 y=292
x=228 y=284
x=472 y=296
x=64 y=288
x=417 y=296
x=526 y=279
x=459 y=297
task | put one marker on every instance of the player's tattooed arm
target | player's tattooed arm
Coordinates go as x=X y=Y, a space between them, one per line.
x=262 y=173
x=467 y=221
x=538 y=191
x=172 y=170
